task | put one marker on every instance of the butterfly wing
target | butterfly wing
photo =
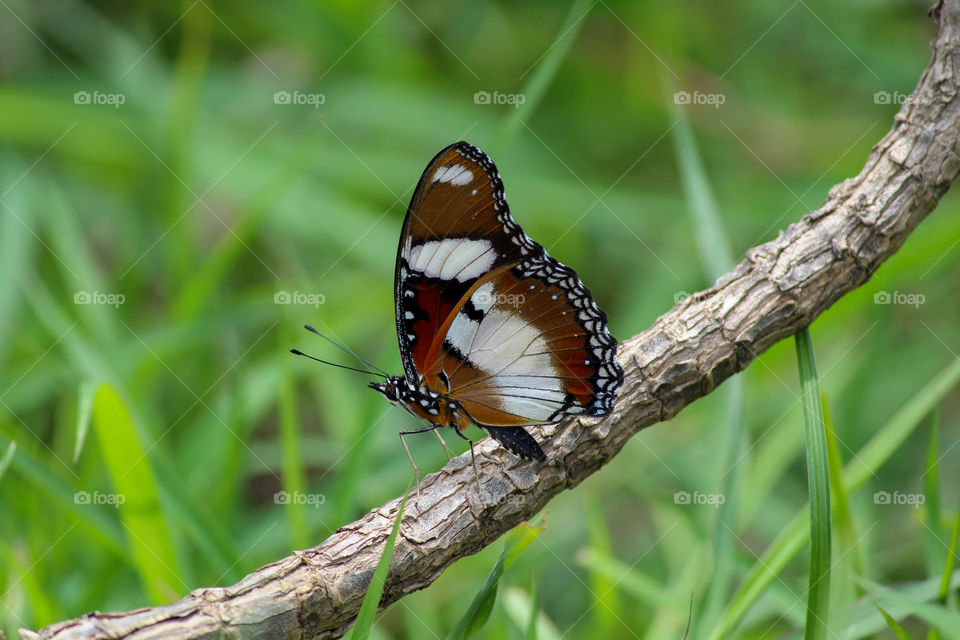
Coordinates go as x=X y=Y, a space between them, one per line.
x=529 y=346
x=484 y=314
x=457 y=228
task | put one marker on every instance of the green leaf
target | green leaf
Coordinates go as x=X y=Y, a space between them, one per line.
x=479 y=610
x=368 y=610
x=818 y=481
x=898 y=630
x=136 y=496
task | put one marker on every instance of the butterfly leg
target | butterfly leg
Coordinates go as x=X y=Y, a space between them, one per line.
x=440 y=437
x=416 y=469
x=473 y=459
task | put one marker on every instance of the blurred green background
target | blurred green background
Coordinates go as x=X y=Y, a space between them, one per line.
x=185 y=184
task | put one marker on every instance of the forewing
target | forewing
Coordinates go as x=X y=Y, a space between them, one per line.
x=457 y=229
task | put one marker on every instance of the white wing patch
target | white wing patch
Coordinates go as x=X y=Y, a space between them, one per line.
x=513 y=355
x=452 y=258
x=455 y=174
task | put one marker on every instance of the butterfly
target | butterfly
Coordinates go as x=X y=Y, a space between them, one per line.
x=492 y=330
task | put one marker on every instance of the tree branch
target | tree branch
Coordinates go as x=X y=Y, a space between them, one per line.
x=780 y=287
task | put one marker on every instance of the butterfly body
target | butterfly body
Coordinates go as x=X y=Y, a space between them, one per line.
x=492 y=330
x=424 y=403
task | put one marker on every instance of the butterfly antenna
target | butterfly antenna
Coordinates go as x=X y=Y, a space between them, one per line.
x=343 y=348
x=334 y=364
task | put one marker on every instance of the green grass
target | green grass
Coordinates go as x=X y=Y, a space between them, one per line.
x=818 y=482
x=646 y=201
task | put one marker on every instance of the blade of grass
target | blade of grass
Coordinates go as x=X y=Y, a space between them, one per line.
x=846 y=529
x=368 y=610
x=546 y=70
x=933 y=634
x=931 y=478
x=898 y=630
x=51 y=490
x=149 y=540
x=712 y=242
x=16 y=254
x=531 y=631
x=518 y=603
x=603 y=588
x=645 y=589
x=874 y=454
x=860 y=619
x=844 y=589
x=294 y=480
x=818 y=482
x=931 y=613
x=7 y=458
x=479 y=610
x=716 y=257
x=85 y=395
x=208 y=277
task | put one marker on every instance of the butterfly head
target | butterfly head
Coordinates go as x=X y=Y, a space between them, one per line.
x=390 y=388
x=420 y=400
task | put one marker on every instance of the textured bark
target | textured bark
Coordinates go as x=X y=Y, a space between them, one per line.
x=779 y=288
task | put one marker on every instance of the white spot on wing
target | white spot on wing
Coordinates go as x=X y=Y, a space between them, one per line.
x=455 y=174
x=484 y=297
x=450 y=258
